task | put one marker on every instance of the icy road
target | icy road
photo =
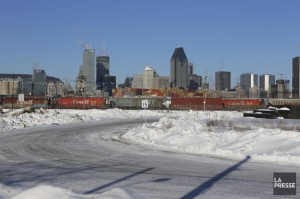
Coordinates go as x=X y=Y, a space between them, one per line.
x=91 y=158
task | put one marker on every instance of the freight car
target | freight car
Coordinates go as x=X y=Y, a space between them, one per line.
x=242 y=104
x=29 y=101
x=155 y=102
x=196 y=103
x=200 y=103
x=136 y=102
x=81 y=102
x=49 y=102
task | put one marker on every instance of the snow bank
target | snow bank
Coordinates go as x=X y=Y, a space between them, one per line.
x=54 y=117
x=223 y=134
x=50 y=192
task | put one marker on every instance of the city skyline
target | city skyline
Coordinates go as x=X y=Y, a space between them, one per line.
x=238 y=36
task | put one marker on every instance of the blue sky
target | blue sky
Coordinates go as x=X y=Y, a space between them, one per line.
x=259 y=36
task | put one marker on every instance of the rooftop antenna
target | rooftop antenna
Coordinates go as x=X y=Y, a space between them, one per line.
x=103 y=50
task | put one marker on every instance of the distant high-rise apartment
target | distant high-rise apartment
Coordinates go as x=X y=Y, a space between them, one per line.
x=248 y=81
x=296 y=77
x=222 y=80
x=88 y=68
x=265 y=82
x=179 y=69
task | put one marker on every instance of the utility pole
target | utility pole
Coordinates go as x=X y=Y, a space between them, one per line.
x=204 y=101
x=45 y=94
x=12 y=92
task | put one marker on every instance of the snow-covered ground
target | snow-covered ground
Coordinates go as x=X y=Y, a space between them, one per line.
x=64 y=116
x=217 y=133
x=50 y=192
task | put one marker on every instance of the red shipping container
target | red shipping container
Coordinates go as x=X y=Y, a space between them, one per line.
x=242 y=102
x=29 y=100
x=196 y=103
x=81 y=102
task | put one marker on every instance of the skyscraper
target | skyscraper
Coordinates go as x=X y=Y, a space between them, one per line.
x=296 y=77
x=104 y=81
x=265 y=82
x=179 y=69
x=222 y=80
x=88 y=68
x=102 y=65
x=248 y=81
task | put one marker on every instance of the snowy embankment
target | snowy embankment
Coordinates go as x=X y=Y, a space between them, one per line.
x=224 y=134
x=217 y=133
x=50 y=192
x=64 y=116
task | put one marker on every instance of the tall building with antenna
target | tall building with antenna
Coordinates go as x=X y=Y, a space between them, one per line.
x=179 y=69
x=102 y=65
x=87 y=69
x=104 y=81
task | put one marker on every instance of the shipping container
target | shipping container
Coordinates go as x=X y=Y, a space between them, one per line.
x=196 y=103
x=29 y=101
x=242 y=102
x=81 y=102
x=200 y=103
